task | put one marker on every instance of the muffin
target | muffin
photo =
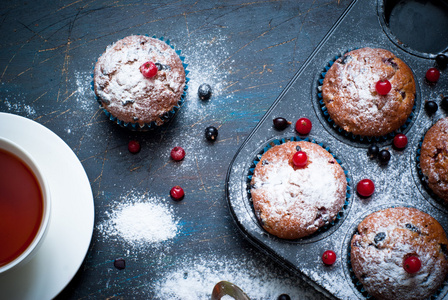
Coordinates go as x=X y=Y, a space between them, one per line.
x=434 y=159
x=352 y=101
x=293 y=202
x=383 y=245
x=129 y=93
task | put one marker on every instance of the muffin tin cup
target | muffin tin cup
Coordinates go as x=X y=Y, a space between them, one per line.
x=417 y=173
x=336 y=129
x=350 y=276
x=396 y=184
x=166 y=116
x=325 y=230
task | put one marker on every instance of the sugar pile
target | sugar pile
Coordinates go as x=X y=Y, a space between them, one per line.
x=140 y=221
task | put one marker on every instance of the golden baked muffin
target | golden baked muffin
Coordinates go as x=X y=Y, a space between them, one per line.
x=351 y=98
x=293 y=202
x=127 y=92
x=400 y=253
x=434 y=158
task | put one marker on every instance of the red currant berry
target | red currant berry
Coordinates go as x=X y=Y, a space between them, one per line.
x=432 y=75
x=177 y=153
x=400 y=141
x=300 y=159
x=383 y=87
x=303 y=126
x=177 y=193
x=329 y=257
x=412 y=264
x=365 y=187
x=148 y=69
x=134 y=146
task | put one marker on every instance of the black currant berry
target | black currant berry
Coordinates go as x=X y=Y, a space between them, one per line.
x=442 y=61
x=120 y=263
x=444 y=103
x=280 y=123
x=431 y=107
x=204 y=91
x=373 y=151
x=159 y=66
x=384 y=157
x=211 y=133
x=284 y=297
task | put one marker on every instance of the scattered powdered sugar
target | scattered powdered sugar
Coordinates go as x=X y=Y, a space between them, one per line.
x=140 y=221
x=204 y=60
x=195 y=279
x=84 y=96
x=19 y=107
x=17 y=103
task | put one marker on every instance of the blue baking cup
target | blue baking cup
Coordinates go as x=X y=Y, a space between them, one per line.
x=339 y=130
x=423 y=178
x=166 y=116
x=360 y=288
x=348 y=194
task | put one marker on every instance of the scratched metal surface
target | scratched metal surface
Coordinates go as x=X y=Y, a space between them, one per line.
x=251 y=50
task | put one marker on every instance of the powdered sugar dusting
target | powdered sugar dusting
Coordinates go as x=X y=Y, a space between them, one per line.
x=17 y=103
x=306 y=197
x=125 y=92
x=349 y=92
x=387 y=237
x=140 y=221
x=204 y=60
x=195 y=279
x=84 y=97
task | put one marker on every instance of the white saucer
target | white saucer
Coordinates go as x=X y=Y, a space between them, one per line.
x=72 y=217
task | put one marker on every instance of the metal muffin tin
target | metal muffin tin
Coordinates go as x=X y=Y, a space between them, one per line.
x=398 y=183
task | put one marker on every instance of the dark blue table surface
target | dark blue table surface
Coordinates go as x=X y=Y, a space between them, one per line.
x=247 y=52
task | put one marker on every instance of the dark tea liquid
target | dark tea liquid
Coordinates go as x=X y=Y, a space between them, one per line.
x=21 y=206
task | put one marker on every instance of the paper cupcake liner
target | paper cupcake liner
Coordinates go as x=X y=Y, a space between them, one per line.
x=340 y=131
x=344 y=210
x=423 y=179
x=358 y=285
x=166 y=116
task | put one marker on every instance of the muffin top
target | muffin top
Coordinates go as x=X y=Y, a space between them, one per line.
x=293 y=202
x=126 y=93
x=350 y=96
x=385 y=239
x=434 y=158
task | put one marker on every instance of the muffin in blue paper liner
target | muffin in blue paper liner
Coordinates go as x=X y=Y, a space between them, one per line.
x=140 y=82
x=431 y=161
x=327 y=216
x=369 y=117
x=395 y=233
